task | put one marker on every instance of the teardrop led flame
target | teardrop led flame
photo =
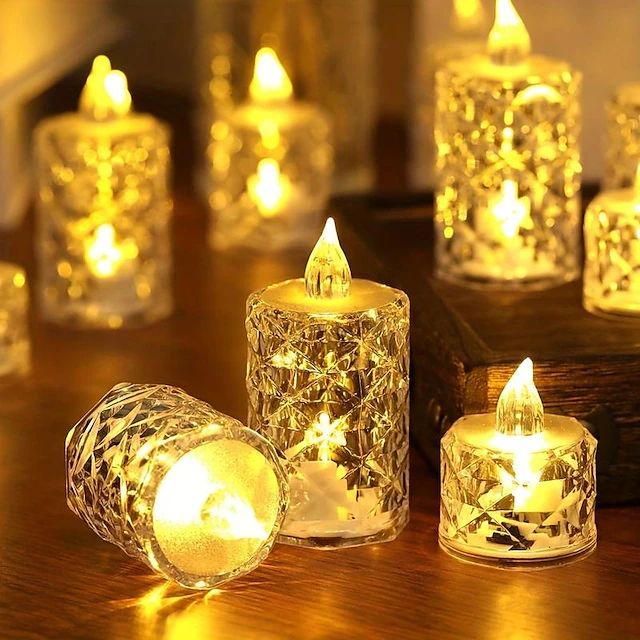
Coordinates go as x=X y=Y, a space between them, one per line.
x=509 y=41
x=270 y=82
x=106 y=93
x=520 y=411
x=327 y=274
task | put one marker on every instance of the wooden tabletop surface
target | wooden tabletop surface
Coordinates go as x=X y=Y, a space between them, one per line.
x=58 y=580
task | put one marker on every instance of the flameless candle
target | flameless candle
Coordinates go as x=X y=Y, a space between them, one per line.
x=506 y=131
x=14 y=305
x=204 y=496
x=103 y=209
x=271 y=161
x=623 y=137
x=518 y=485
x=327 y=379
x=612 y=244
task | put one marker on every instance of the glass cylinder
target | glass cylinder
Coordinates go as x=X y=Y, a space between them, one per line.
x=518 y=486
x=327 y=379
x=612 y=246
x=103 y=213
x=508 y=165
x=329 y=48
x=14 y=332
x=623 y=137
x=204 y=496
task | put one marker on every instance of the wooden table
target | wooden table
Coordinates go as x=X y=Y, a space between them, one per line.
x=58 y=580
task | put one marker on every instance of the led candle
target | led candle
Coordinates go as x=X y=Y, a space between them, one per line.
x=14 y=306
x=507 y=125
x=103 y=209
x=518 y=485
x=327 y=378
x=204 y=495
x=271 y=160
x=623 y=137
x=612 y=246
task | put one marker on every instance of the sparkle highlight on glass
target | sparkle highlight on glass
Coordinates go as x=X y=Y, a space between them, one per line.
x=14 y=332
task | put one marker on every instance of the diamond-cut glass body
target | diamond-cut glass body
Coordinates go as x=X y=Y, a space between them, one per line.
x=191 y=492
x=271 y=175
x=103 y=220
x=623 y=137
x=14 y=333
x=612 y=245
x=331 y=391
x=517 y=499
x=493 y=124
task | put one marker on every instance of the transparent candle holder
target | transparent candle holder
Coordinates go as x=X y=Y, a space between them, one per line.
x=191 y=492
x=103 y=216
x=331 y=391
x=519 y=500
x=508 y=173
x=271 y=167
x=623 y=137
x=612 y=263
x=14 y=332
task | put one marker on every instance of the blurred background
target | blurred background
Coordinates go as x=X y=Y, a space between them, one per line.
x=382 y=49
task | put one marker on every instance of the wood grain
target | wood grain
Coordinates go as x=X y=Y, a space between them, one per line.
x=58 y=580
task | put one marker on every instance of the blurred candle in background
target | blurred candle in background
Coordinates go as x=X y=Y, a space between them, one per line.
x=271 y=165
x=507 y=123
x=103 y=209
x=14 y=332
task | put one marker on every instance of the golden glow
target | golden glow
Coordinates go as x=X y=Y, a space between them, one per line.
x=327 y=434
x=104 y=255
x=509 y=41
x=636 y=185
x=519 y=411
x=270 y=81
x=105 y=94
x=269 y=189
x=468 y=14
x=327 y=274
x=510 y=212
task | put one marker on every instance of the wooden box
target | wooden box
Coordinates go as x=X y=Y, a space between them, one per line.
x=466 y=342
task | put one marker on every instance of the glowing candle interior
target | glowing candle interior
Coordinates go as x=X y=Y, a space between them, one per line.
x=518 y=485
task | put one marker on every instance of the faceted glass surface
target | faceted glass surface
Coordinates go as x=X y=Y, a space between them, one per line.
x=103 y=220
x=510 y=507
x=294 y=139
x=490 y=130
x=14 y=307
x=623 y=138
x=612 y=267
x=190 y=491
x=331 y=391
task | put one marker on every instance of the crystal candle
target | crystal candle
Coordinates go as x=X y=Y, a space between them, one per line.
x=271 y=160
x=103 y=209
x=14 y=307
x=518 y=486
x=623 y=137
x=327 y=377
x=506 y=130
x=612 y=244
x=189 y=491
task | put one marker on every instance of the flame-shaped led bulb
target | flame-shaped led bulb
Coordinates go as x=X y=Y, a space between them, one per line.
x=509 y=42
x=520 y=411
x=270 y=82
x=105 y=94
x=327 y=274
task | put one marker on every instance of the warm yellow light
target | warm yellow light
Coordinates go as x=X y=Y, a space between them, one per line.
x=327 y=434
x=468 y=14
x=270 y=81
x=104 y=255
x=327 y=274
x=268 y=188
x=509 y=41
x=510 y=212
x=520 y=411
x=636 y=185
x=105 y=94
